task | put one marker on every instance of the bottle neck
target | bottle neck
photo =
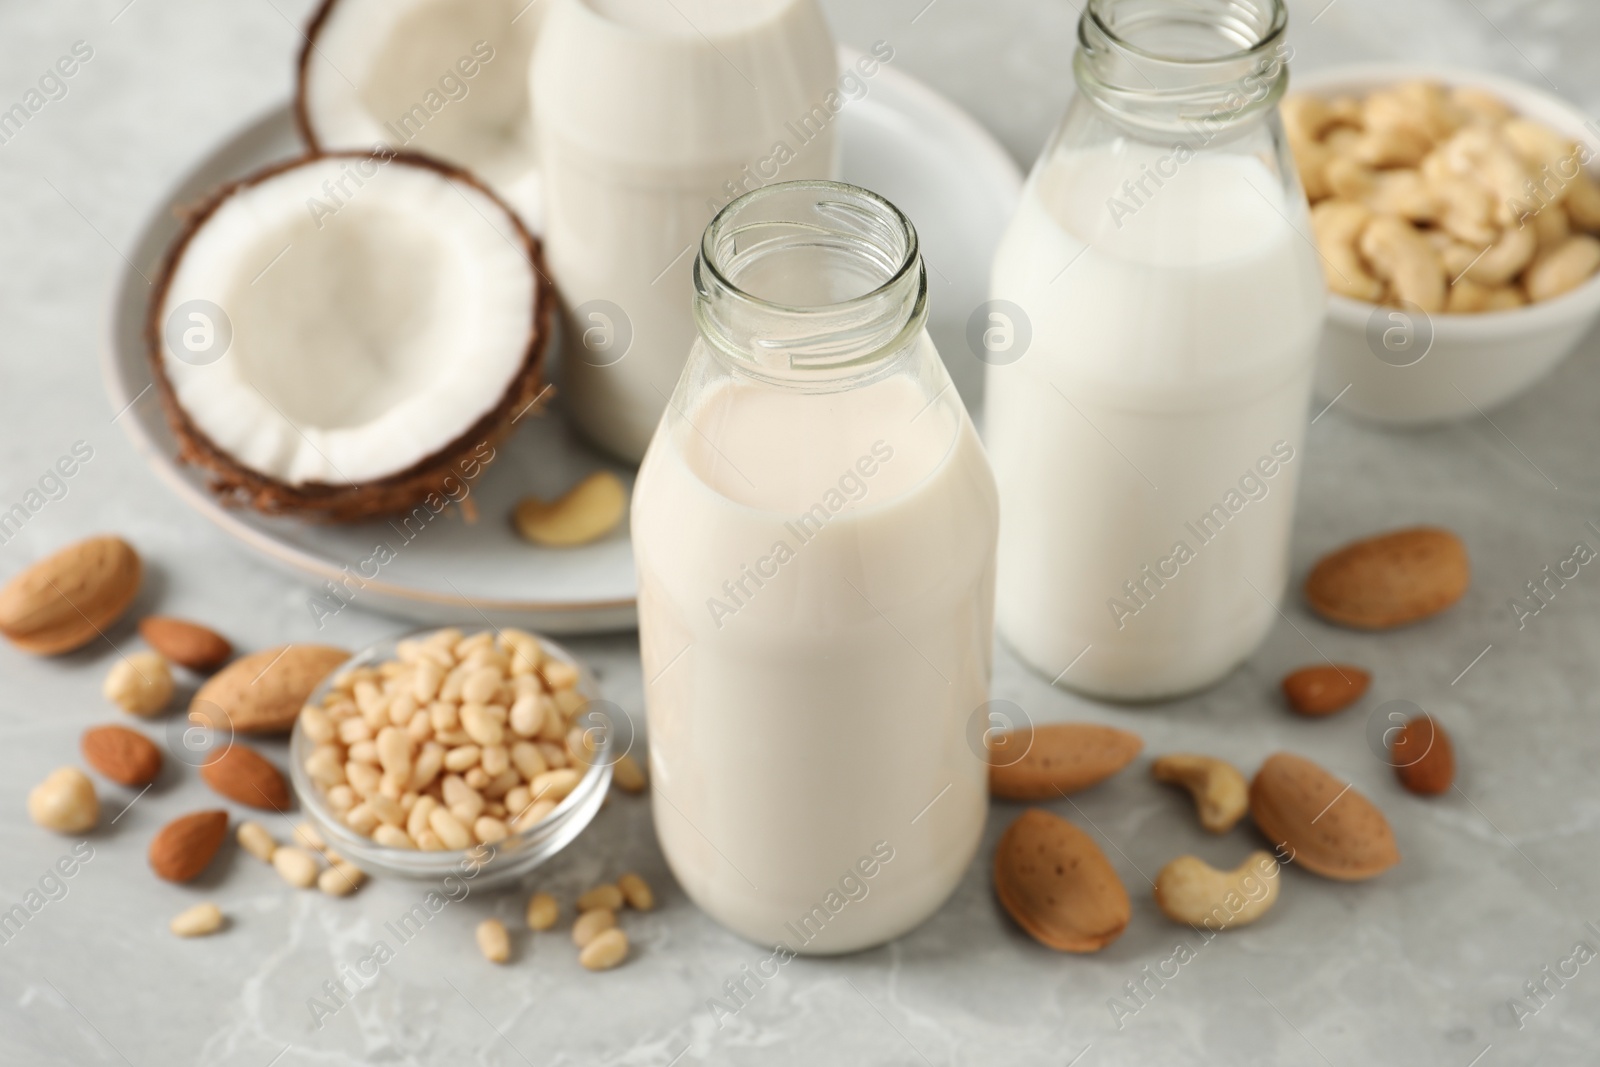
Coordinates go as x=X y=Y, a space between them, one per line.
x=810 y=284
x=1203 y=67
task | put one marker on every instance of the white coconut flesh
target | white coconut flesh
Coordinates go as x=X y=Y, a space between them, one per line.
x=363 y=340
x=448 y=78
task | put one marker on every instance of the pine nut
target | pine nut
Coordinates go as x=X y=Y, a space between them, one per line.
x=325 y=765
x=449 y=829
x=543 y=911
x=417 y=817
x=591 y=923
x=394 y=751
x=637 y=892
x=534 y=814
x=308 y=836
x=481 y=725
x=528 y=760
x=364 y=778
x=340 y=880
x=364 y=752
x=482 y=686
x=198 y=921
x=494 y=760
x=430 y=761
x=628 y=775
x=388 y=811
x=494 y=941
x=527 y=715
x=391 y=836
x=254 y=839
x=555 y=785
x=362 y=819
x=477 y=778
x=296 y=866
x=607 y=896
x=606 y=951
x=341 y=798
x=318 y=727
x=462 y=758
x=558 y=674
x=353 y=730
x=490 y=830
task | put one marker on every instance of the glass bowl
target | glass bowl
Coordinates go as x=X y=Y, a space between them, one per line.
x=487 y=865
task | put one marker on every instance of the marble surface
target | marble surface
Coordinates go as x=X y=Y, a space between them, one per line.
x=1500 y=880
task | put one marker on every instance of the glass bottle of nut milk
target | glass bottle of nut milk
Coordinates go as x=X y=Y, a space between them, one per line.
x=814 y=529
x=1162 y=300
x=650 y=116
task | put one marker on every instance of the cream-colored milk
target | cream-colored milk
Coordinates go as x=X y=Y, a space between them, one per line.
x=820 y=712
x=1170 y=362
x=650 y=116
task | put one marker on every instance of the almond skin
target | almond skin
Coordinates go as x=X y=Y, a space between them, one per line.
x=125 y=756
x=1055 y=882
x=1062 y=758
x=263 y=692
x=1325 y=688
x=1320 y=822
x=187 y=644
x=1390 y=580
x=66 y=600
x=185 y=846
x=246 y=777
x=1424 y=760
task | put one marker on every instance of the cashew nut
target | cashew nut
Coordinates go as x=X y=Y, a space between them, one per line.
x=1404 y=258
x=1338 y=224
x=1551 y=225
x=1505 y=298
x=1582 y=200
x=1504 y=259
x=1563 y=268
x=1220 y=792
x=1400 y=192
x=1480 y=105
x=1392 y=146
x=1191 y=891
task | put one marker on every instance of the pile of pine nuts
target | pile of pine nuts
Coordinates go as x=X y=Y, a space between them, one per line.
x=601 y=943
x=460 y=740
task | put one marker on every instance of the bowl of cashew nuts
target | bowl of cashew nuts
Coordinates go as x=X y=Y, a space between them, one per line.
x=1458 y=221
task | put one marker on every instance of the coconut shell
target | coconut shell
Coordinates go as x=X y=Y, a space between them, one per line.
x=441 y=475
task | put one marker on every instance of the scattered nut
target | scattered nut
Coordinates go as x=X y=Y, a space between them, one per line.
x=187 y=644
x=254 y=839
x=609 y=948
x=1319 y=822
x=494 y=941
x=1191 y=891
x=1325 y=688
x=637 y=892
x=543 y=911
x=245 y=776
x=601 y=896
x=1057 y=758
x=125 y=756
x=1221 y=795
x=590 y=923
x=198 y=921
x=185 y=846
x=140 y=684
x=64 y=601
x=1390 y=580
x=341 y=879
x=1055 y=882
x=629 y=775
x=1424 y=759
x=296 y=866
x=64 y=802
x=587 y=512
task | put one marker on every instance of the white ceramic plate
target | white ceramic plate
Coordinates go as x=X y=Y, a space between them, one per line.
x=902 y=140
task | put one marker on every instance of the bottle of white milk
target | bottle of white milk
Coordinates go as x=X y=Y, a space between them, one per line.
x=814 y=528
x=650 y=116
x=1162 y=298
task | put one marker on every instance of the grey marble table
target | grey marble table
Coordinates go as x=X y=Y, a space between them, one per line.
x=1501 y=878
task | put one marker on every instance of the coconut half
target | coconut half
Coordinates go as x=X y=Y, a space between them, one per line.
x=448 y=78
x=343 y=336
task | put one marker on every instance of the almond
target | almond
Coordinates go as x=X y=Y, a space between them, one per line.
x=1424 y=759
x=1320 y=822
x=262 y=693
x=1390 y=580
x=125 y=756
x=187 y=644
x=1325 y=688
x=182 y=848
x=1055 y=882
x=245 y=776
x=1061 y=758
x=67 y=600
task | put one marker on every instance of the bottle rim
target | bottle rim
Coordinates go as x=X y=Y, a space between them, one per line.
x=849 y=334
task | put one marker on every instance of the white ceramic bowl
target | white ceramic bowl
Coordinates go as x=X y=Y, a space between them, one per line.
x=487 y=864
x=1475 y=361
